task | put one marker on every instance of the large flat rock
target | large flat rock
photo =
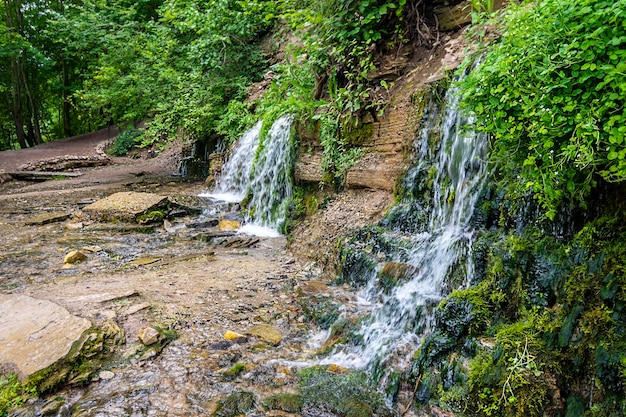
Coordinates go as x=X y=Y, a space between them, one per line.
x=35 y=334
x=124 y=206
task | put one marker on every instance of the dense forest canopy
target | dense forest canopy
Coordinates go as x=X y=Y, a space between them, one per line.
x=70 y=67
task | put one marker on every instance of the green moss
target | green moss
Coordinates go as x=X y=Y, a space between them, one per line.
x=233 y=372
x=352 y=394
x=290 y=403
x=237 y=403
x=153 y=216
x=359 y=134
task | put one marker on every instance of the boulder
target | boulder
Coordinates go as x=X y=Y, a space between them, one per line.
x=124 y=206
x=74 y=257
x=35 y=334
x=191 y=204
x=267 y=333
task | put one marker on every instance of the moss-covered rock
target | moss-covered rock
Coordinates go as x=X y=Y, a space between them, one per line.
x=290 y=403
x=235 y=404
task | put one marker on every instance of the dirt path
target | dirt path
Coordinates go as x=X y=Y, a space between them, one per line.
x=82 y=145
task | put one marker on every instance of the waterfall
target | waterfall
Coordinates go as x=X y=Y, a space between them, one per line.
x=260 y=174
x=234 y=180
x=447 y=179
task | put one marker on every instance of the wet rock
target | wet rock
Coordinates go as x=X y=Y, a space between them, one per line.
x=172 y=227
x=47 y=218
x=91 y=249
x=52 y=407
x=394 y=273
x=4 y=177
x=148 y=336
x=124 y=206
x=191 y=204
x=74 y=257
x=221 y=345
x=226 y=224
x=267 y=333
x=35 y=334
x=313 y=288
x=203 y=223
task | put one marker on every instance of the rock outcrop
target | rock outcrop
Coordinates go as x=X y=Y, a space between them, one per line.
x=124 y=206
x=35 y=334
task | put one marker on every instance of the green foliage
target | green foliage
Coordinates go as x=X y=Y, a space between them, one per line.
x=551 y=94
x=13 y=393
x=125 y=141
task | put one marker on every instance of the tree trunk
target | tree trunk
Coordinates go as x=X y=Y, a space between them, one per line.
x=18 y=110
x=13 y=19
x=34 y=112
x=67 y=125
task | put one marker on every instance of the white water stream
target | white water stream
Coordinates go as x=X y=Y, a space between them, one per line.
x=400 y=319
x=260 y=173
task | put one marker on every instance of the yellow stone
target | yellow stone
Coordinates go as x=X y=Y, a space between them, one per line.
x=229 y=335
x=336 y=369
x=228 y=225
x=74 y=257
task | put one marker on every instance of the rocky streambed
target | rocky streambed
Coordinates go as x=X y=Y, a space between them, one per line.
x=154 y=310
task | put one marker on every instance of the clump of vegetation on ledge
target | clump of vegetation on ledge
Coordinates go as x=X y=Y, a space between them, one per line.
x=551 y=95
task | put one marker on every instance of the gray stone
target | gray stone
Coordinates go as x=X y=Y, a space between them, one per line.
x=47 y=218
x=35 y=334
x=106 y=375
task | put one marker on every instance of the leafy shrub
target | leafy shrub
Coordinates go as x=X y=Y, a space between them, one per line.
x=552 y=94
x=125 y=141
x=13 y=393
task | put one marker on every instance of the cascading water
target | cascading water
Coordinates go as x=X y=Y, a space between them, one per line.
x=261 y=174
x=232 y=185
x=447 y=178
